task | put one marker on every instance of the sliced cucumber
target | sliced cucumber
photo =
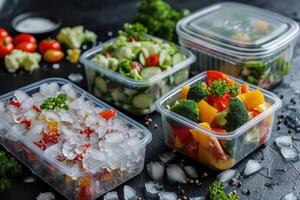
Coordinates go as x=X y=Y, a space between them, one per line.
x=119 y=95
x=100 y=83
x=142 y=101
x=162 y=57
x=149 y=72
x=181 y=76
x=142 y=58
x=135 y=111
x=97 y=92
x=129 y=92
x=177 y=58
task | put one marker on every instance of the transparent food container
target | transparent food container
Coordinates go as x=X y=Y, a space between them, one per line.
x=202 y=144
x=135 y=96
x=73 y=182
x=250 y=43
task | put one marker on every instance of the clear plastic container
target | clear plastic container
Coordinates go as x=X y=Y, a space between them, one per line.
x=250 y=43
x=123 y=91
x=70 y=181
x=200 y=143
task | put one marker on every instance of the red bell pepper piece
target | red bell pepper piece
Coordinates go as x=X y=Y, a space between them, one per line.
x=15 y=102
x=182 y=132
x=220 y=103
x=216 y=75
x=108 y=114
x=191 y=149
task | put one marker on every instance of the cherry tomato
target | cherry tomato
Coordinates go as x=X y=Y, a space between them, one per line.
x=152 y=60
x=108 y=114
x=49 y=44
x=8 y=39
x=3 y=33
x=26 y=46
x=6 y=47
x=53 y=56
x=136 y=65
x=26 y=123
x=15 y=102
x=23 y=37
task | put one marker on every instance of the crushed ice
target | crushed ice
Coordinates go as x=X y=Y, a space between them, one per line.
x=227 y=175
x=176 y=174
x=46 y=196
x=111 y=196
x=167 y=196
x=252 y=167
x=155 y=170
x=129 y=193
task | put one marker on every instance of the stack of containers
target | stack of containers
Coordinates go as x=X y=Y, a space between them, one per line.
x=243 y=41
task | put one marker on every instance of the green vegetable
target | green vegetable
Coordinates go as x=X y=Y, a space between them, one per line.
x=187 y=108
x=149 y=72
x=216 y=192
x=234 y=91
x=124 y=66
x=134 y=31
x=52 y=103
x=75 y=36
x=197 y=92
x=8 y=167
x=142 y=101
x=235 y=116
x=19 y=59
x=219 y=88
x=159 y=17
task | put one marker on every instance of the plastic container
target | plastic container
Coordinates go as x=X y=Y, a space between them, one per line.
x=69 y=181
x=121 y=91
x=250 y=43
x=198 y=142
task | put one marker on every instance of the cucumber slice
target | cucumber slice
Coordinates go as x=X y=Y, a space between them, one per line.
x=149 y=72
x=181 y=76
x=162 y=57
x=97 y=92
x=129 y=92
x=100 y=83
x=142 y=101
x=177 y=58
x=142 y=59
x=135 y=111
x=119 y=95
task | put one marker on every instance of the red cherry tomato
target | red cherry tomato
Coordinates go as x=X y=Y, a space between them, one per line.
x=8 y=38
x=3 y=33
x=48 y=44
x=26 y=46
x=53 y=56
x=136 y=65
x=6 y=47
x=152 y=60
x=23 y=37
x=108 y=114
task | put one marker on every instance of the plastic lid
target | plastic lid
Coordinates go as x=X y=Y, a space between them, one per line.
x=239 y=26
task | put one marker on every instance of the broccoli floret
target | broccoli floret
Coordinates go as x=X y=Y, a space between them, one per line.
x=197 y=92
x=219 y=88
x=235 y=116
x=216 y=192
x=135 y=31
x=187 y=108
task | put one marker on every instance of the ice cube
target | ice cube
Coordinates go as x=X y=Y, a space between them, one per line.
x=98 y=155
x=37 y=98
x=191 y=171
x=129 y=193
x=155 y=170
x=8 y=117
x=91 y=119
x=176 y=174
x=227 y=175
x=75 y=77
x=114 y=137
x=283 y=141
x=54 y=150
x=167 y=196
x=19 y=128
x=20 y=95
x=291 y=196
x=29 y=179
x=46 y=196
x=27 y=103
x=111 y=196
x=290 y=153
x=152 y=189
x=49 y=89
x=133 y=132
x=68 y=150
x=167 y=157
x=2 y=106
x=34 y=134
x=69 y=90
x=197 y=198
x=67 y=116
x=133 y=141
x=252 y=167
x=51 y=116
x=30 y=114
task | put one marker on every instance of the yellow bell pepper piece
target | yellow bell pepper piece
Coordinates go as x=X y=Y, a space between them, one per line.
x=253 y=99
x=184 y=92
x=178 y=143
x=207 y=112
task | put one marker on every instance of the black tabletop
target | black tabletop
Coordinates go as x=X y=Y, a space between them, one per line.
x=276 y=179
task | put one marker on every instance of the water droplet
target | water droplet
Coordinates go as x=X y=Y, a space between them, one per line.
x=56 y=66
x=167 y=196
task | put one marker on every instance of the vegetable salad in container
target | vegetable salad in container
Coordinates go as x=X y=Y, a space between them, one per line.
x=133 y=70
x=80 y=146
x=216 y=119
x=250 y=43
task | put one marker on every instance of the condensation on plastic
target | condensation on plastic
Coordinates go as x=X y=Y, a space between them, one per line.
x=65 y=179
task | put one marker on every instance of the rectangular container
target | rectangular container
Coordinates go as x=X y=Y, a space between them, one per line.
x=242 y=141
x=250 y=43
x=70 y=182
x=119 y=90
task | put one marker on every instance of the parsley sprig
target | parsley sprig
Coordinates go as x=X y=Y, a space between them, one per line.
x=52 y=103
x=221 y=87
x=216 y=192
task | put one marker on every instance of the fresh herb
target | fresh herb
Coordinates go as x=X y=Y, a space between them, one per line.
x=55 y=102
x=216 y=192
x=234 y=90
x=219 y=88
x=160 y=18
x=134 y=31
x=8 y=167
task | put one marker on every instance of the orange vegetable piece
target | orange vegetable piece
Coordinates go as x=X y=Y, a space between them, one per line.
x=207 y=112
x=178 y=143
x=53 y=126
x=262 y=107
x=253 y=99
x=244 y=88
x=108 y=114
x=184 y=92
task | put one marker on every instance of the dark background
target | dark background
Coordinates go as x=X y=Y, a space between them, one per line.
x=109 y=15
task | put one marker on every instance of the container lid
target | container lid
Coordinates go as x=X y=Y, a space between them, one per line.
x=238 y=27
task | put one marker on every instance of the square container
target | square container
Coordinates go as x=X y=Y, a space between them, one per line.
x=120 y=90
x=72 y=182
x=250 y=43
x=199 y=142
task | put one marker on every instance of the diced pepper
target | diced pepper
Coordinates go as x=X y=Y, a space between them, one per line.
x=108 y=114
x=182 y=133
x=40 y=145
x=88 y=131
x=244 y=88
x=51 y=137
x=216 y=75
x=37 y=109
x=253 y=99
x=220 y=103
x=15 y=103
x=53 y=126
x=178 y=143
x=191 y=149
x=184 y=92
x=26 y=123
x=207 y=112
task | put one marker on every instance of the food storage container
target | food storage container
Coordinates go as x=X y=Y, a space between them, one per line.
x=250 y=43
x=200 y=143
x=76 y=182
x=135 y=96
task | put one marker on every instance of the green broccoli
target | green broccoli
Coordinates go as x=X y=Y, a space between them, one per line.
x=235 y=116
x=187 y=108
x=124 y=66
x=216 y=192
x=219 y=88
x=197 y=92
x=135 y=31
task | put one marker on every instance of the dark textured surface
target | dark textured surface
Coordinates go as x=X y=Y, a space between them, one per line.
x=104 y=16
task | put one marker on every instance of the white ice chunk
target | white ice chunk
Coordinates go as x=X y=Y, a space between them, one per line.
x=69 y=90
x=252 y=167
x=49 y=89
x=167 y=157
x=114 y=137
x=51 y=116
x=133 y=141
x=30 y=114
x=283 y=141
x=191 y=171
x=176 y=174
x=34 y=134
x=290 y=153
x=98 y=155
x=46 y=196
x=54 y=150
x=291 y=196
x=227 y=175
x=68 y=150
x=153 y=188
x=155 y=170
x=129 y=193
x=111 y=196
x=21 y=95
x=197 y=198
x=167 y=196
